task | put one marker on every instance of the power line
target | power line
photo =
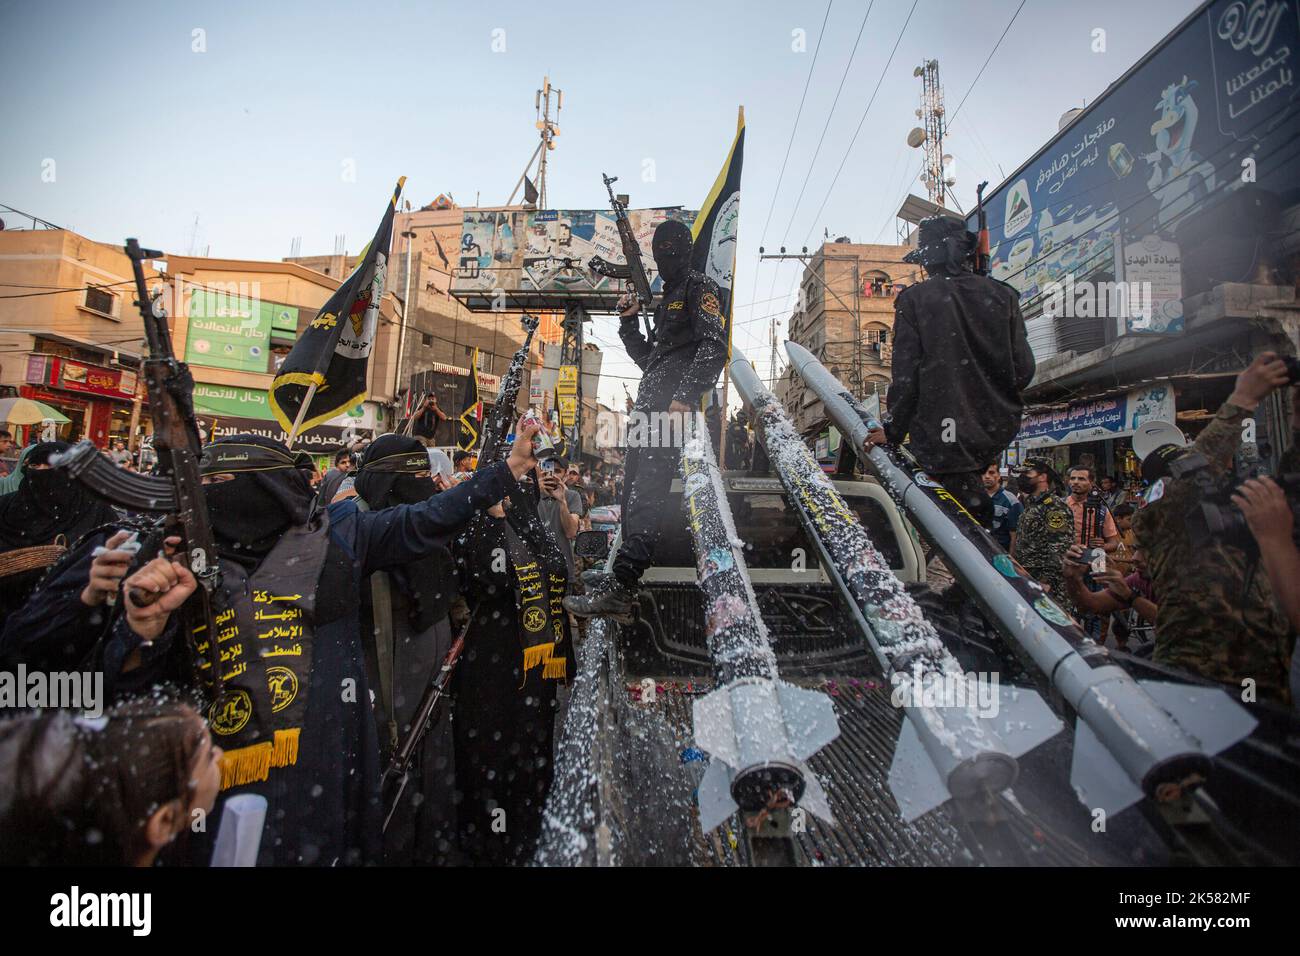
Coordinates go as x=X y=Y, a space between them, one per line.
x=836 y=177
x=781 y=176
x=829 y=116
x=793 y=129
x=987 y=60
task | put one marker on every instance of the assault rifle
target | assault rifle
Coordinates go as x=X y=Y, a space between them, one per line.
x=176 y=491
x=634 y=271
x=398 y=772
x=500 y=421
x=982 y=258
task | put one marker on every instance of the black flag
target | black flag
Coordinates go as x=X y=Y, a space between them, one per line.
x=530 y=191
x=327 y=366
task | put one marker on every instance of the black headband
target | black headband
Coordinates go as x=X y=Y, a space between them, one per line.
x=405 y=462
x=232 y=457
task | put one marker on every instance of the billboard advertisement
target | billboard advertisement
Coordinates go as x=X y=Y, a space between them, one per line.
x=234 y=332
x=539 y=256
x=1174 y=175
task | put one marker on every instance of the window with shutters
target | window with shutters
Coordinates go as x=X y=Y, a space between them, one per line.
x=100 y=300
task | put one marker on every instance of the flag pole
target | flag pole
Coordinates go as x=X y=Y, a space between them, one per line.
x=344 y=314
x=302 y=413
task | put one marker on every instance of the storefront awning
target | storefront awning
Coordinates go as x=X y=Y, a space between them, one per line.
x=1097 y=419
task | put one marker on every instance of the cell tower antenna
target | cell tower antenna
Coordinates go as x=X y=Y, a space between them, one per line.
x=930 y=134
x=548 y=128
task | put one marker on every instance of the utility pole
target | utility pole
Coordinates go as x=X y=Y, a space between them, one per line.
x=409 y=236
x=548 y=130
x=855 y=369
x=771 y=372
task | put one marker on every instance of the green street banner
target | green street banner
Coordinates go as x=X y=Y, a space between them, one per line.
x=327 y=367
x=716 y=226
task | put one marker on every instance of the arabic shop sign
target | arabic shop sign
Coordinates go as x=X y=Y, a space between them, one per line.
x=230 y=331
x=1209 y=112
x=320 y=440
x=1116 y=416
x=94 y=380
x=230 y=400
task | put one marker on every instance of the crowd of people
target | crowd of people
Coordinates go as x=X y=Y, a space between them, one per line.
x=1196 y=596
x=297 y=673
x=340 y=594
x=1142 y=571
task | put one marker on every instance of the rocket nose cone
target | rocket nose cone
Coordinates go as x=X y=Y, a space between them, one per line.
x=799 y=355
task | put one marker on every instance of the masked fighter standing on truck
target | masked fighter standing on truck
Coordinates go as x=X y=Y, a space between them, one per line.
x=679 y=364
x=961 y=361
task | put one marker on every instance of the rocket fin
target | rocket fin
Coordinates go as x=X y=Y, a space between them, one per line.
x=1098 y=779
x=913 y=779
x=1023 y=720
x=814 y=798
x=810 y=721
x=1207 y=713
x=714 y=730
x=716 y=804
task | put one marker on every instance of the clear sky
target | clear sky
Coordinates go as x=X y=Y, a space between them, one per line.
x=251 y=135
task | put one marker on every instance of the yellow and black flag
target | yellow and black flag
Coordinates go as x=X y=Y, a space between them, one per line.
x=716 y=226
x=471 y=418
x=325 y=373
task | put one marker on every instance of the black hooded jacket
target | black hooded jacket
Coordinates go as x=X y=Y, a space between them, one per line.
x=961 y=362
x=690 y=344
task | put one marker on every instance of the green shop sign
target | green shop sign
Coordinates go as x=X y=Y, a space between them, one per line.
x=231 y=401
x=234 y=332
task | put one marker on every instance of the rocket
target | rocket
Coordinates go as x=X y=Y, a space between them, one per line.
x=949 y=745
x=757 y=729
x=1133 y=738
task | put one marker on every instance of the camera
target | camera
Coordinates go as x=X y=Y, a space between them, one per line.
x=1217 y=518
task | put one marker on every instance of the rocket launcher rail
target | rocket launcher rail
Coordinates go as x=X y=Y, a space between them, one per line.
x=758 y=730
x=1134 y=737
x=945 y=750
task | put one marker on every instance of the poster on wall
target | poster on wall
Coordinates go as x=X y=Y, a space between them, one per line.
x=1178 y=152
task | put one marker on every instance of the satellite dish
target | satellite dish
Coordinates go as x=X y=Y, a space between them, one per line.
x=918 y=71
x=916 y=137
x=947 y=158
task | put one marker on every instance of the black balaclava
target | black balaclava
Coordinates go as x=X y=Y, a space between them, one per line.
x=387 y=473
x=672 y=249
x=943 y=244
x=386 y=477
x=47 y=503
x=269 y=493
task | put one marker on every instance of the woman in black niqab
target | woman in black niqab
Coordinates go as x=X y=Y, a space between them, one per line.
x=48 y=508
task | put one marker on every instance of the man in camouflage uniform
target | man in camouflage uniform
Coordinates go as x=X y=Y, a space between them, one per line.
x=1045 y=532
x=1218 y=617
